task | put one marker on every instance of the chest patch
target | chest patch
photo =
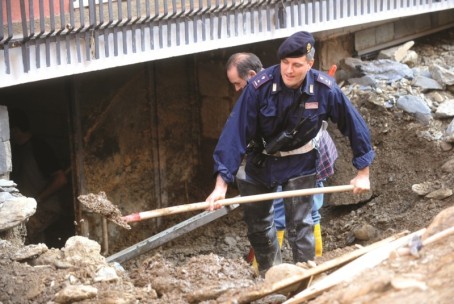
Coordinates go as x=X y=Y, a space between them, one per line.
x=311 y=105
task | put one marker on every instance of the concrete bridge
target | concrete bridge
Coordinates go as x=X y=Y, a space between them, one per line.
x=43 y=39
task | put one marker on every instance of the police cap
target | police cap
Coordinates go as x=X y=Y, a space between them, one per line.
x=297 y=45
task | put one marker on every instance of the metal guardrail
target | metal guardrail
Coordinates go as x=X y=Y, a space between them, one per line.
x=99 y=29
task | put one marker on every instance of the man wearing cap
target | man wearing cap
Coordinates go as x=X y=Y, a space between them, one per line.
x=283 y=109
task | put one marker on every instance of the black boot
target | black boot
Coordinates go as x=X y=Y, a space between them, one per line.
x=300 y=227
x=259 y=218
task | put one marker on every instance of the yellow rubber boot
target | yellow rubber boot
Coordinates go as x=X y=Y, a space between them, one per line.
x=280 y=238
x=255 y=265
x=318 y=240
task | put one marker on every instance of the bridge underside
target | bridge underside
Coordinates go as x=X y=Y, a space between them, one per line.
x=100 y=37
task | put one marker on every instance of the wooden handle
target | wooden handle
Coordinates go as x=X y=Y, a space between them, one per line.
x=139 y=216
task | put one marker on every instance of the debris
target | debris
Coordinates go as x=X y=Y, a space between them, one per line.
x=73 y=293
x=29 y=252
x=404 y=283
x=99 y=203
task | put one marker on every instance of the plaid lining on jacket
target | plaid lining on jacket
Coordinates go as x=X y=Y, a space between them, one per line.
x=327 y=155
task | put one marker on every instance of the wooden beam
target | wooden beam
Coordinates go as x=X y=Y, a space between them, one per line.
x=369 y=260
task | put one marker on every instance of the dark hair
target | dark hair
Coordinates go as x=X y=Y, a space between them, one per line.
x=18 y=119
x=244 y=62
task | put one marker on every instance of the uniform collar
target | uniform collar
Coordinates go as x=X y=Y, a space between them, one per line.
x=307 y=87
x=308 y=83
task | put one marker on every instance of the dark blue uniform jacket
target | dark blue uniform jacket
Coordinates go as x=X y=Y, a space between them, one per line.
x=267 y=107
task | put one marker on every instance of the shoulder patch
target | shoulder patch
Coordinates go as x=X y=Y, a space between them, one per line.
x=325 y=80
x=260 y=79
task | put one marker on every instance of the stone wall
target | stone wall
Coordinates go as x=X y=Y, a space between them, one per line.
x=5 y=147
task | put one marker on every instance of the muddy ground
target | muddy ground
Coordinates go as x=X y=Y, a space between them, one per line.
x=204 y=264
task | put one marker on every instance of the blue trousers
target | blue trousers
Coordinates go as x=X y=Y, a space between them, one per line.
x=279 y=209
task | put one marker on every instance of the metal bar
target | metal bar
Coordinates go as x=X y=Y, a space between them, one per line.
x=68 y=49
x=41 y=32
x=89 y=35
x=105 y=28
x=138 y=13
x=92 y=12
x=23 y=19
x=203 y=19
x=1 y=21
x=142 y=37
x=52 y=30
x=156 y=7
x=101 y=13
x=328 y=10
x=259 y=13
x=133 y=36
x=169 y=234
x=10 y=36
x=306 y=12
x=24 y=44
x=31 y=14
x=220 y=19
x=96 y=40
x=313 y=11
x=292 y=15
x=123 y=29
x=160 y=35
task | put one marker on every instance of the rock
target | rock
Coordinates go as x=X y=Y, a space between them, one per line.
x=440 y=194
x=29 y=252
x=397 y=53
x=365 y=81
x=424 y=188
x=448 y=166
x=73 y=293
x=445 y=110
x=80 y=250
x=16 y=211
x=230 y=241
x=443 y=220
x=387 y=70
x=7 y=183
x=421 y=71
x=445 y=146
x=365 y=232
x=106 y=273
x=436 y=96
x=426 y=84
x=282 y=271
x=411 y=59
x=442 y=75
x=449 y=132
x=404 y=283
x=415 y=105
x=5 y=196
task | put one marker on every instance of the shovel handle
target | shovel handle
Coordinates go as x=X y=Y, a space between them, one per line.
x=139 y=216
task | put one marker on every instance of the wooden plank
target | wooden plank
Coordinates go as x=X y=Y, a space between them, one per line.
x=352 y=269
x=169 y=234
